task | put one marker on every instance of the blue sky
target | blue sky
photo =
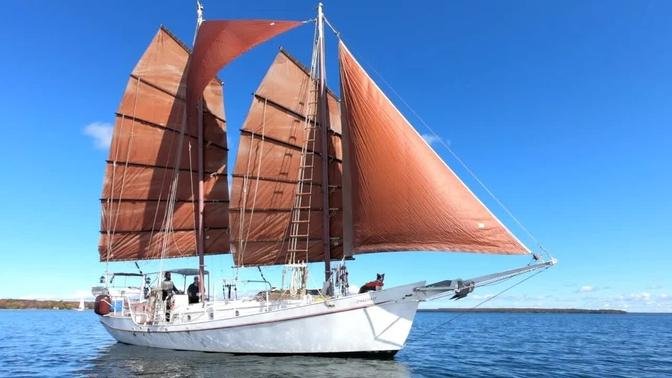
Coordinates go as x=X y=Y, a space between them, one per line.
x=563 y=108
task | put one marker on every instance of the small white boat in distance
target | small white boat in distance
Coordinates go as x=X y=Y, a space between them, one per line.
x=82 y=306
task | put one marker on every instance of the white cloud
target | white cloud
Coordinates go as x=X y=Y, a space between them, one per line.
x=643 y=296
x=101 y=133
x=586 y=289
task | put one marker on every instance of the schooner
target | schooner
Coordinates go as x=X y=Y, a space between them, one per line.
x=317 y=179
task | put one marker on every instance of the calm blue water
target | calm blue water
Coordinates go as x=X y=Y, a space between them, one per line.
x=67 y=343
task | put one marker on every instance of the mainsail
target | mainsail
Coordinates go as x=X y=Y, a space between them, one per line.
x=400 y=195
x=149 y=136
x=165 y=181
x=267 y=170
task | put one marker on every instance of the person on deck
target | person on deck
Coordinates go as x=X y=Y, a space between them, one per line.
x=194 y=292
x=168 y=287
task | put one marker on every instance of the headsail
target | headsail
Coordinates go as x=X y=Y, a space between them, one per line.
x=219 y=42
x=400 y=195
x=142 y=162
x=267 y=168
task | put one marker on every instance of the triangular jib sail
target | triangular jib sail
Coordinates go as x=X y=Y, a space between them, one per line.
x=399 y=194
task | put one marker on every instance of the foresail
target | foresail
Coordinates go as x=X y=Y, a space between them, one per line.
x=142 y=163
x=267 y=167
x=400 y=195
x=218 y=42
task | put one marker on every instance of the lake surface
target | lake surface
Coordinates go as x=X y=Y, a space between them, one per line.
x=67 y=343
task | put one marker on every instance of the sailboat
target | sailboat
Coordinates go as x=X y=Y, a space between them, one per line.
x=317 y=179
x=81 y=306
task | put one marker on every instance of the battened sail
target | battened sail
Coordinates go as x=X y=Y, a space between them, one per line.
x=400 y=195
x=267 y=170
x=150 y=145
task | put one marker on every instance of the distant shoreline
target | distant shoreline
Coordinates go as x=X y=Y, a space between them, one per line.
x=36 y=304
x=526 y=310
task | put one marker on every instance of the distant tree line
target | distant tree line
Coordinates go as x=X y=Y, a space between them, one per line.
x=19 y=304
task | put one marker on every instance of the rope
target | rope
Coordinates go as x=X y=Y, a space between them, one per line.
x=242 y=241
x=481 y=303
x=241 y=221
x=167 y=223
x=123 y=177
x=158 y=201
x=336 y=32
x=164 y=176
x=256 y=182
x=193 y=195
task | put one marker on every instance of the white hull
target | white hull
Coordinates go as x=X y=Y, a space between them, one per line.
x=365 y=323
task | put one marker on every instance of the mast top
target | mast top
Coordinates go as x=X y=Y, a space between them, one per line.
x=199 y=19
x=199 y=13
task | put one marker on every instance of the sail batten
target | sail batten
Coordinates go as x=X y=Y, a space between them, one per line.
x=402 y=196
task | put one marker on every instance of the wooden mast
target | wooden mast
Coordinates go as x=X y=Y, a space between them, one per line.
x=323 y=119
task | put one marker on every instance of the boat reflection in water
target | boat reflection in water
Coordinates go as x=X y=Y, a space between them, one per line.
x=120 y=360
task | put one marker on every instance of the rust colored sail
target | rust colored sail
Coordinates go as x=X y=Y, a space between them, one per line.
x=267 y=169
x=150 y=133
x=219 y=42
x=400 y=195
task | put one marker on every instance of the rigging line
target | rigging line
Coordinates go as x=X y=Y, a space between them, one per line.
x=193 y=195
x=256 y=183
x=128 y=154
x=168 y=222
x=240 y=255
x=110 y=199
x=168 y=216
x=111 y=196
x=462 y=163
x=262 y=274
x=481 y=303
x=163 y=182
x=336 y=32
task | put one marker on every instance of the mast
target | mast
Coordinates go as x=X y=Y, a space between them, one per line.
x=323 y=119
x=200 y=236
